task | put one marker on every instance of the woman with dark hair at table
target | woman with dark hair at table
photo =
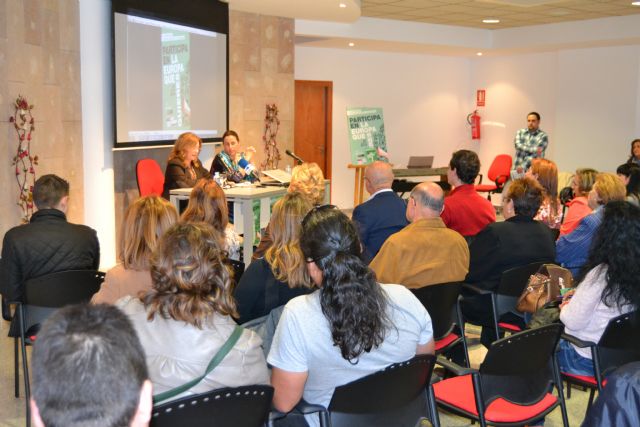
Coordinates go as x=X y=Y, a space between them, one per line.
x=228 y=160
x=517 y=241
x=183 y=166
x=351 y=327
x=609 y=285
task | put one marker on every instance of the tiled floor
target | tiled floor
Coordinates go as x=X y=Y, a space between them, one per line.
x=12 y=410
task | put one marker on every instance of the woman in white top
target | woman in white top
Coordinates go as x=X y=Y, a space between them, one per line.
x=609 y=286
x=350 y=328
x=208 y=203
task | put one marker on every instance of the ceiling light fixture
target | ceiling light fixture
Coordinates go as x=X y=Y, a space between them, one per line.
x=479 y=53
x=491 y=21
x=342 y=5
x=351 y=44
x=635 y=3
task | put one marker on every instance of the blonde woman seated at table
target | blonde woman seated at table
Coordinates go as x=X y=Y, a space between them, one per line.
x=185 y=319
x=281 y=274
x=306 y=179
x=208 y=203
x=546 y=173
x=145 y=220
x=183 y=167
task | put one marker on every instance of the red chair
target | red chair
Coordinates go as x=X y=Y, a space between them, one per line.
x=513 y=385
x=499 y=173
x=149 y=177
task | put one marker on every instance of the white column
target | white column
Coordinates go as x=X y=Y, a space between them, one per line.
x=97 y=124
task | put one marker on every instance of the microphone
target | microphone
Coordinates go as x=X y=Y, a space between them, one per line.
x=249 y=169
x=292 y=154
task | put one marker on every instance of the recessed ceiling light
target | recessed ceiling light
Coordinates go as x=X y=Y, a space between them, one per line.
x=491 y=21
x=635 y=3
x=479 y=53
x=351 y=44
x=342 y=5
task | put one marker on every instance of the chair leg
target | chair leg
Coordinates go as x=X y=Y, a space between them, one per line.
x=433 y=409
x=25 y=367
x=568 y=389
x=16 y=368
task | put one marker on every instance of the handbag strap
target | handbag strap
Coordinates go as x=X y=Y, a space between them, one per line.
x=215 y=361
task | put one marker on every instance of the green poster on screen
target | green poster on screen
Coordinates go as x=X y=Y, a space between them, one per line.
x=176 y=113
x=366 y=135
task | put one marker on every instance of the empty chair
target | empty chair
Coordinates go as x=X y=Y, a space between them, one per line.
x=150 y=178
x=513 y=384
x=246 y=406
x=499 y=173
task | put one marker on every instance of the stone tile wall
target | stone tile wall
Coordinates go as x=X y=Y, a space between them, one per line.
x=40 y=59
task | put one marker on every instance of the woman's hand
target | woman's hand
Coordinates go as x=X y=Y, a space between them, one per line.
x=566 y=298
x=249 y=153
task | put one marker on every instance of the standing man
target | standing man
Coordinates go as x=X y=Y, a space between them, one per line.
x=48 y=243
x=425 y=252
x=383 y=214
x=530 y=143
x=465 y=211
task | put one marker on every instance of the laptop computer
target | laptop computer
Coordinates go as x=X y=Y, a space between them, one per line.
x=420 y=162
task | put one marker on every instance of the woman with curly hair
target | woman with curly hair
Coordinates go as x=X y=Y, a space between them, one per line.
x=186 y=317
x=208 y=203
x=546 y=173
x=351 y=327
x=608 y=287
x=145 y=221
x=281 y=274
x=183 y=167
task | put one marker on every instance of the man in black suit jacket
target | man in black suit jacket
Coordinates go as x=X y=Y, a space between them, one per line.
x=383 y=214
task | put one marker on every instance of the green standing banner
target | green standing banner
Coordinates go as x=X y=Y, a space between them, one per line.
x=176 y=113
x=366 y=134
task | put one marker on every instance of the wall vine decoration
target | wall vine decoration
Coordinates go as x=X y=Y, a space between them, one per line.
x=24 y=162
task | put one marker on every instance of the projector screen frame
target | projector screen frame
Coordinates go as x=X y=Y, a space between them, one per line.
x=209 y=15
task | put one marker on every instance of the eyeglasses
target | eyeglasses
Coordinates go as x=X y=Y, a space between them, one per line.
x=318 y=208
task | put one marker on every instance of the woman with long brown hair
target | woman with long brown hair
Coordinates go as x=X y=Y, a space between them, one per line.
x=271 y=281
x=185 y=319
x=546 y=173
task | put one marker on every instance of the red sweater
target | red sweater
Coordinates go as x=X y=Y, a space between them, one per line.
x=466 y=212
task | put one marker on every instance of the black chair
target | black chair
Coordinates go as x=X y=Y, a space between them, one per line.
x=619 y=345
x=505 y=298
x=399 y=395
x=513 y=384
x=246 y=406
x=442 y=302
x=42 y=296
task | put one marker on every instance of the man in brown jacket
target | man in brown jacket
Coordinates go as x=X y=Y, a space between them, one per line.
x=425 y=252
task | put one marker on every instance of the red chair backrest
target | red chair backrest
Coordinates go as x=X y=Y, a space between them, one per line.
x=150 y=178
x=500 y=167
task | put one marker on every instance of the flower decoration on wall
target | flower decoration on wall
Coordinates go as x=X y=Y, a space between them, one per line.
x=24 y=161
x=271 y=125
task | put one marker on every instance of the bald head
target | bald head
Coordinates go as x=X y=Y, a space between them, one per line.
x=378 y=176
x=429 y=201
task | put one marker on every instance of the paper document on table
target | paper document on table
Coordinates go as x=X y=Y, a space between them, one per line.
x=279 y=175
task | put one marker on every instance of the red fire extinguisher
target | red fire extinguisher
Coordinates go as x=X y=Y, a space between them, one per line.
x=474 y=120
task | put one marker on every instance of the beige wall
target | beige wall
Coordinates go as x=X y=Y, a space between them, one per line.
x=40 y=59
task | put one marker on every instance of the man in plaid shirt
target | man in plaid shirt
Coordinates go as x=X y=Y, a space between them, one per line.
x=530 y=143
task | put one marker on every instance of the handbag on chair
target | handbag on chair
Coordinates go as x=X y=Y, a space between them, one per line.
x=543 y=287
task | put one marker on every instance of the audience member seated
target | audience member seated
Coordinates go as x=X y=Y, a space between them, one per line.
x=183 y=167
x=320 y=342
x=578 y=207
x=186 y=317
x=546 y=173
x=629 y=174
x=145 y=220
x=227 y=161
x=208 y=203
x=383 y=214
x=609 y=288
x=465 y=211
x=272 y=281
x=306 y=179
x=425 y=252
x=89 y=370
x=518 y=240
x=47 y=244
x=635 y=152
x=573 y=249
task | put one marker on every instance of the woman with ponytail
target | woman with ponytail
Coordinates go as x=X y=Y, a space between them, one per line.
x=351 y=327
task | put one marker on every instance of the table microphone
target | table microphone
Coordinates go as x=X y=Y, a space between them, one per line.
x=296 y=157
x=249 y=169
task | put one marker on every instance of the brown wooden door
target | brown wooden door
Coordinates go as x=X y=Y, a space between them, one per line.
x=312 y=128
